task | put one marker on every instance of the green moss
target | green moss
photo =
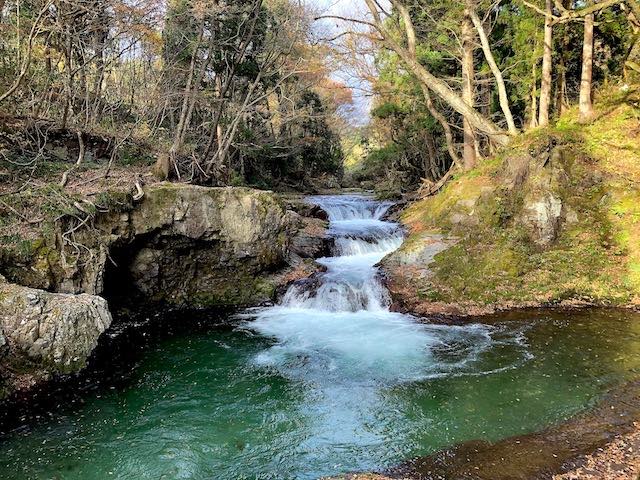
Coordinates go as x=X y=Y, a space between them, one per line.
x=508 y=269
x=114 y=201
x=596 y=258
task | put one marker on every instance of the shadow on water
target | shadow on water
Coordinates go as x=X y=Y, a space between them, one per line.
x=135 y=330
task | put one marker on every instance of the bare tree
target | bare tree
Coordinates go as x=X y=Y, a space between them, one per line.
x=26 y=63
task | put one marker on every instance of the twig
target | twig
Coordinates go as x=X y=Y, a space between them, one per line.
x=22 y=217
x=139 y=191
x=65 y=175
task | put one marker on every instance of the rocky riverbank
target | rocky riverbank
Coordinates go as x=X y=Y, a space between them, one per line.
x=179 y=245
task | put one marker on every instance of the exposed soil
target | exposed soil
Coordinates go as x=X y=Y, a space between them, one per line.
x=619 y=460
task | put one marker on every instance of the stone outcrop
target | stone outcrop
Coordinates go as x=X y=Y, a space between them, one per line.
x=408 y=267
x=543 y=210
x=311 y=240
x=542 y=215
x=183 y=244
x=200 y=246
x=52 y=332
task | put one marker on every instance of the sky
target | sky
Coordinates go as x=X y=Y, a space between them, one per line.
x=349 y=8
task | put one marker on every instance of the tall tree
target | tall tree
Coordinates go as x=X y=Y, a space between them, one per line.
x=433 y=83
x=547 y=59
x=586 y=112
x=468 y=88
x=497 y=74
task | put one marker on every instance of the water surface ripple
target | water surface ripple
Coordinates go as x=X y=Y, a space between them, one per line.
x=329 y=381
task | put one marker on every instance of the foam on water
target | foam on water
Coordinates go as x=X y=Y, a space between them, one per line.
x=336 y=327
x=328 y=382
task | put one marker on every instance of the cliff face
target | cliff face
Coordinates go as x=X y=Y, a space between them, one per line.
x=554 y=219
x=180 y=244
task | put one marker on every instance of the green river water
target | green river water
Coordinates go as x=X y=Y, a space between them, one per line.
x=326 y=382
x=199 y=406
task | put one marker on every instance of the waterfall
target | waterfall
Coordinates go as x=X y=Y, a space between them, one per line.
x=351 y=282
x=335 y=328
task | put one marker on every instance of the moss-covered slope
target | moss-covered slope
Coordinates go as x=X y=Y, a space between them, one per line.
x=554 y=218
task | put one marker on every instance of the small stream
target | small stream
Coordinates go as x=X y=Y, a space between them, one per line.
x=330 y=381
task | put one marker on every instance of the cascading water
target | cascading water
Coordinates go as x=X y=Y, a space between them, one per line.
x=361 y=240
x=335 y=328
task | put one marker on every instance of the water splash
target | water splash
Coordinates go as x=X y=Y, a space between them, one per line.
x=335 y=328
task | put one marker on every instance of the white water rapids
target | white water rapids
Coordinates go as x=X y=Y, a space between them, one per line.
x=336 y=327
x=327 y=382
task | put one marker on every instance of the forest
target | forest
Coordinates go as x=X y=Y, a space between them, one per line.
x=456 y=81
x=320 y=239
x=217 y=92
x=245 y=92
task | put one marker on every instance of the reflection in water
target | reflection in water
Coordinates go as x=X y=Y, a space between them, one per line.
x=330 y=381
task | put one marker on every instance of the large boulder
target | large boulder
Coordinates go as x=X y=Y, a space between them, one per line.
x=54 y=332
x=201 y=246
x=541 y=214
x=543 y=209
x=311 y=239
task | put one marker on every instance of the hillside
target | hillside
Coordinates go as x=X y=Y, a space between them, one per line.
x=553 y=219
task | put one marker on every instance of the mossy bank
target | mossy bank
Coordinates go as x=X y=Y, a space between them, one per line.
x=553 y=219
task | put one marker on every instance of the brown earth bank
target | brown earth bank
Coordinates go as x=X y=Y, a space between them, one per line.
x=602 y=443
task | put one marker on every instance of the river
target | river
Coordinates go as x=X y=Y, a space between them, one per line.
x=329 y=381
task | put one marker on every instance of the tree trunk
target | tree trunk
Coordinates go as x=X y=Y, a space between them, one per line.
x=430 y=166
x=436 y=85
x=451 y=98
x=468 y=74
x=561 y=88
x=448 y=134
x=178 y=139
x=533 y=119
x=547 y=58
x=488 y=55
x=586 y=104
